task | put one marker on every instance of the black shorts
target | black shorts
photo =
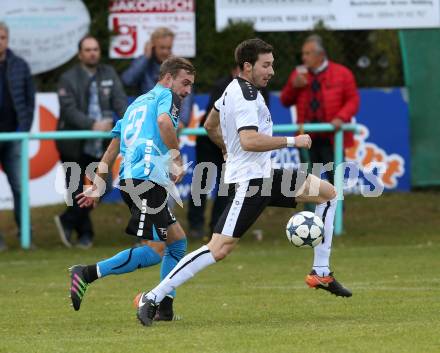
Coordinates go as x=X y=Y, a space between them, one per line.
x=247 y=200
x=150 y=215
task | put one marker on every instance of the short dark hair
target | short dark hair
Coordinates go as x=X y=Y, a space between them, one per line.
x=81 y=41
x=249 y=50
x=173 y=65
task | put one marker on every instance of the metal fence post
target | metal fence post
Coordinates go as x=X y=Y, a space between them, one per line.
x=25 y=221
x=339 y=179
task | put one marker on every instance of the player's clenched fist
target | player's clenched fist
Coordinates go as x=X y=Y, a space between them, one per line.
x=303 y=141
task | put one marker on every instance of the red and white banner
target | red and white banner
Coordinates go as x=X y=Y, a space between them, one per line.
x=133 y=21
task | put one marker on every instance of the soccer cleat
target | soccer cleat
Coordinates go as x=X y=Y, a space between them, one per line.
x=165 y=310
x=146 y=309
x=328 y=283
x=136 y=300
x=78 y=285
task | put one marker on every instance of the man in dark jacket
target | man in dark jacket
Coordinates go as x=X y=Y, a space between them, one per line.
x=17 y=101
x=89 y=94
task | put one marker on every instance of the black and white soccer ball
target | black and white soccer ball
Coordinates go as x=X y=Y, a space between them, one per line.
x=305 y=229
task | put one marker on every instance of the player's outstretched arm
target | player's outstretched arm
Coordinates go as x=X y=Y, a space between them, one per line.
x=169 y=138
x=90 y=196
x=253 y=141
x=212 y=126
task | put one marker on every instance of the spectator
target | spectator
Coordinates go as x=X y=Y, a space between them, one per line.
x=143 y=72
x=17 y=101
x=323 y=92
x=89 y=93
x=207 y=151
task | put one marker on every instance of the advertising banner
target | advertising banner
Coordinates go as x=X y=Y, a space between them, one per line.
x=380 y=154
x=133 y=21
x=383 y=141
x=300 y=15
x=45 y=33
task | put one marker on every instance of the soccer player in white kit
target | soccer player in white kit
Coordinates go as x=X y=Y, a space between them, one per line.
x=240 y=124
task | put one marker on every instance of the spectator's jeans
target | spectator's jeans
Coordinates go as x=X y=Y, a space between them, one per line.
x=10 y=153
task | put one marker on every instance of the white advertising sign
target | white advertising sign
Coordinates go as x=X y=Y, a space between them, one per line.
x=299 y=15
x=46 y=32
x=133 y=21
x=43 y=158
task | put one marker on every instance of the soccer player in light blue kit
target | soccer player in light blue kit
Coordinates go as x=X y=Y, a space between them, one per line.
x=147 y=139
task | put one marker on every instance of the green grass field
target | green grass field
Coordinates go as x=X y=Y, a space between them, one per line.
x=254 y=301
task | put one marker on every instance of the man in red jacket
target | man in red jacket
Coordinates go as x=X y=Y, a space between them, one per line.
x=323 y=92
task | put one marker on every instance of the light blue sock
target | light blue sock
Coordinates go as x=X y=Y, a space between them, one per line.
x=171 y=256
x=128 y=261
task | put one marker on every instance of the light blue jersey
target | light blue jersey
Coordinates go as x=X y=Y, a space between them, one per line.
x=144 y=155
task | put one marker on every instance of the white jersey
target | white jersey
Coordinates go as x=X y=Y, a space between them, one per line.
x=243 y=107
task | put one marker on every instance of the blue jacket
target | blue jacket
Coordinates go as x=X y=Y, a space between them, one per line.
x=143 y=74
x=21 y=88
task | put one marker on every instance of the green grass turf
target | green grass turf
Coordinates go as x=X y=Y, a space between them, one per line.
x=254 y=301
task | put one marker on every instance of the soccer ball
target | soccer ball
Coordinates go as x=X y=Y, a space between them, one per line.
x=305 y=229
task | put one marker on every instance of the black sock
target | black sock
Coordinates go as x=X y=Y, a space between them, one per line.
x=90 y=273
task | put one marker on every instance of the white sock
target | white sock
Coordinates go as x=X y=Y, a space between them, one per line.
x=185 y=269
x=321 y=262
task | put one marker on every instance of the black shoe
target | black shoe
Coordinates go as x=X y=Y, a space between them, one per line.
x=84 y=242
x=64 y=231
x=328 y=283
x=146 y=310
x=165 y=310
x=78 y=285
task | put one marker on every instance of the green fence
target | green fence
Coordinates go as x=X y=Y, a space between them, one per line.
x=421 y=58
x=66 y=135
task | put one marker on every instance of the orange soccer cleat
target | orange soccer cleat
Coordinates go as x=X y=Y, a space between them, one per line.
x=328 y=283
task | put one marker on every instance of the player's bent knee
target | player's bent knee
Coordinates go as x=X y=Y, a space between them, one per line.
x=175 y=232
x=327 y=191
x=317 y=191
x=334 y=193
x=157 y=246
x=221 y=246
x=311 y=187
x=220 y=254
